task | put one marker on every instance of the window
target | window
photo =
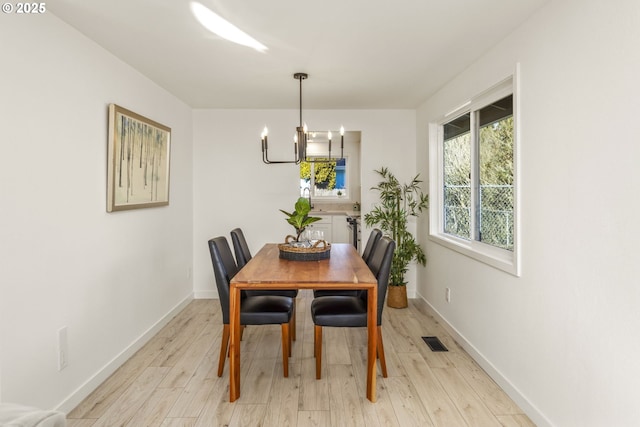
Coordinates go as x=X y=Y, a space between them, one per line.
x=325 y=179
x=473 y=175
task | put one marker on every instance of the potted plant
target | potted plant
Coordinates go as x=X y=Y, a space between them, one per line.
x=293 y=247
x=397 y=203
x=299 y=218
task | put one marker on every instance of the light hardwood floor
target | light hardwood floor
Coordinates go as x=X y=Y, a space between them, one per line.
x=172 y=380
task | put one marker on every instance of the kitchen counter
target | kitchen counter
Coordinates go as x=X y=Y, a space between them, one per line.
x=351 y=213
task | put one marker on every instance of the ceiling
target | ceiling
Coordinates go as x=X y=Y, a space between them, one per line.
x=359 y=54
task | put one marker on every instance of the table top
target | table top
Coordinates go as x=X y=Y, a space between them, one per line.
x=266 y=269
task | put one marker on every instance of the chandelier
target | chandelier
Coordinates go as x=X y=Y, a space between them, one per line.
x=300 y=139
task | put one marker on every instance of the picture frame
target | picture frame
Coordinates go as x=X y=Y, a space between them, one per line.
x=138 y=161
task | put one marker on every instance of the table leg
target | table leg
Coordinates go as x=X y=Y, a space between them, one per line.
x=372 y=341
x=234 y=343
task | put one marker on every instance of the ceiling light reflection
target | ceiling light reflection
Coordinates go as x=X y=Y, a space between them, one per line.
x=225 y=29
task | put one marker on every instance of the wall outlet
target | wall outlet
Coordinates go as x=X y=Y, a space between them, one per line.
x=447 y=294
x=63 y=349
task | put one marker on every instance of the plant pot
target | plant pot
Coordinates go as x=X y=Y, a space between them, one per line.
x=397 y=297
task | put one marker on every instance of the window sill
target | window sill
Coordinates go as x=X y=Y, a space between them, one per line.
x=501 y=259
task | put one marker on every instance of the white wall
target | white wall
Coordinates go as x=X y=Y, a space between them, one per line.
x=65 y=261
x=233 y=188
x=562 y=338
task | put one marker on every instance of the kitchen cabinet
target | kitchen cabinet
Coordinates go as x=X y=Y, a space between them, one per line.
x=334 y=227
x=340 y=230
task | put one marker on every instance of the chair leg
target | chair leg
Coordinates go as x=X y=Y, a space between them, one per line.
x=286 y=338
x=293 y=321
x=315 y=345
x=290 y=338
x=292 y=327
x=380 y=349
x=317 y=339
x=223 y=348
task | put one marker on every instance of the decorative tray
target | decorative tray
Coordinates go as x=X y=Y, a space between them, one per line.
x=304 y=251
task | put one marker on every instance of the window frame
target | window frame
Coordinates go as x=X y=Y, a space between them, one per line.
x=502 y=259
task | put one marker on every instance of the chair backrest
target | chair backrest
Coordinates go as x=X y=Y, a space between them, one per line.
x=380 y=265
x=374 y=237
x=224 y=268
x=240 y=247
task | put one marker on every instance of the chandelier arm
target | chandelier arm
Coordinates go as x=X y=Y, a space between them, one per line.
x=265 y=155
x=265 y=160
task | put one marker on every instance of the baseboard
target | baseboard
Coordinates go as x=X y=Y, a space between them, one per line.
x=74 y=399
x=205 y=295
x=532 y=412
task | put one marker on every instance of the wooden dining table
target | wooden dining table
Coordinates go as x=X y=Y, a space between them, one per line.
x=344 y=269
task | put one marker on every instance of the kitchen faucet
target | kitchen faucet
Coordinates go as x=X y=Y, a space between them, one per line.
x=308 y=196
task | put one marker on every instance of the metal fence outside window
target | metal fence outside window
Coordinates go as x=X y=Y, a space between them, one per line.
x=495 y=215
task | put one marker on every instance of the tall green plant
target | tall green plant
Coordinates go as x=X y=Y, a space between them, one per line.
x=397 y=203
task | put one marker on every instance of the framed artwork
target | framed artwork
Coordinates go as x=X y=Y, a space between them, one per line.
x=138 y=169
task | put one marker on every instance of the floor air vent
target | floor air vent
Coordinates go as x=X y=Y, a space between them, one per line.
x=435 y=344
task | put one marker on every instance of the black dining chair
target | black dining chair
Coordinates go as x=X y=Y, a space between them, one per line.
x=240 y=247
x=351 y=311
x=254 y=310
x=243 y=255
x=372 y=241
